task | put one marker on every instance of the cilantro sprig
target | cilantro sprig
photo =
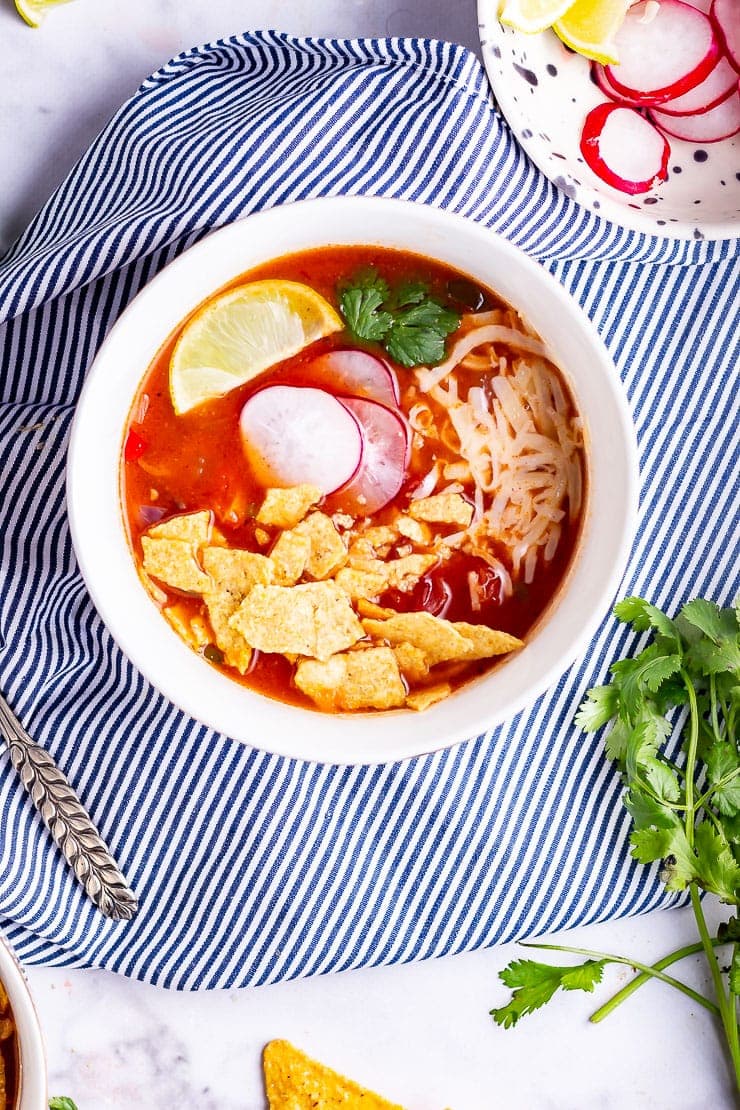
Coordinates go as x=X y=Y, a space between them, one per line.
x=671 y=712
x=407 y=322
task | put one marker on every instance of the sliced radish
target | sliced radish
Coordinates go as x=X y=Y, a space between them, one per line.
x=719 y=122
x=601 y=77
x=356 y=373
x=293 y=434
x=700 y=5
x=384 y=460
x=726 y=16
x=624 y=149
x=720 y=84
x=666 y=57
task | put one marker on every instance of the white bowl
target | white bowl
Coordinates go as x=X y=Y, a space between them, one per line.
x=545 y=92
x=33 y=1093
x=94 y=491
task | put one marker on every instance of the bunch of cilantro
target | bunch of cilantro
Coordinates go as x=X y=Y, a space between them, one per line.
x=408 y=322
x=679 y=695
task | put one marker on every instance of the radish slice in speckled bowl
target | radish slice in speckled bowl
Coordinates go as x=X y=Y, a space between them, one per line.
x=545 y=92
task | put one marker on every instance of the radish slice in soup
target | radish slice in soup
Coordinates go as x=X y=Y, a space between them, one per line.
x=624 y=149
x=384 y=459
x=663 y=58
x=703 y=127
x=356 y=373
x=726 y=15
x=293 y=435
x=715 y=88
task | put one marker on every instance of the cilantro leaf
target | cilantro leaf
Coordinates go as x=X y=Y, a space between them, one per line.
x=719 y=871
x=646 y=672
x=411 y=292
x=599 y=706
x=410 y=325
x=662 y=779
x=533 y=984
x=642 y=615
x=360 y=304
x=735 y=971
x=417 y=334
x=617 y=739
x=671 y=846
x=647 y=813
x=723 y=767
x=61 y=1102
x=710 y=658
x=707 y=617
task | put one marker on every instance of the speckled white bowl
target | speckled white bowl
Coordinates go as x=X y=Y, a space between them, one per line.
x=545 y=92
x=33 y=1093
x=93 y=486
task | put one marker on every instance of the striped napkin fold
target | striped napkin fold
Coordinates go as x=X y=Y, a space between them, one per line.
x=252 y=868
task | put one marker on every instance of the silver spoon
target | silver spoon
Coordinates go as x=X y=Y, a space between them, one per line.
x=69 y=823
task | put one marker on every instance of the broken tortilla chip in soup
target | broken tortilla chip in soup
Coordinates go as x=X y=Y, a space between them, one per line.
x=314 y=619
x=293 y=1081
x=368 y=679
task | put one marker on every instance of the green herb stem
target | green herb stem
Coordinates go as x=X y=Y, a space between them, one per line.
x=643 y=977
x=646 y=969
x=727 y=1010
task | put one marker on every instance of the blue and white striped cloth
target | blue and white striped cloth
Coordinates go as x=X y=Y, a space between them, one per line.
x=253 y=868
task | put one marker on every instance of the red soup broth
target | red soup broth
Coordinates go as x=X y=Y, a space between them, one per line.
x=180 y=464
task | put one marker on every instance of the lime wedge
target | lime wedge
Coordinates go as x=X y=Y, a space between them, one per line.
x=532 y=16
x=34 y=12
x=589 y=27
x=243 y=332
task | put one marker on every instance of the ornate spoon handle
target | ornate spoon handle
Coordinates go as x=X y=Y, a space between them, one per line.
x=68 y=822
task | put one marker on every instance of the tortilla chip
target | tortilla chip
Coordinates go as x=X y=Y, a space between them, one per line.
x=360 y=583
x=436 y=638
x=192 y=528
x=381 y=537
x=343 y=520
x=287 y=507
x=328 y=549
x=315 y=619
x=233 y=574
x=443 y=508
x=173 y=563
x=487 y=641
x=293 y=1081
x=289 y=557
x=192 y=630
x=428 y=695
x=415 y=530
x=412 y=661
x=361 y=552
x=367 y=679
x=396 y=574
x=369 y=609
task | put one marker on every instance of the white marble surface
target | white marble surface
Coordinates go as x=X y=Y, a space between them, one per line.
x=421 y=1034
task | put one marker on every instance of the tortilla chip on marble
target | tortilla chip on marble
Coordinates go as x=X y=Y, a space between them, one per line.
x=293 y=1081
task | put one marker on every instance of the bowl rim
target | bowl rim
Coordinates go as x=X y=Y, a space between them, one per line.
x=609 y=208
x=337 y=738
x=33 y=1093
